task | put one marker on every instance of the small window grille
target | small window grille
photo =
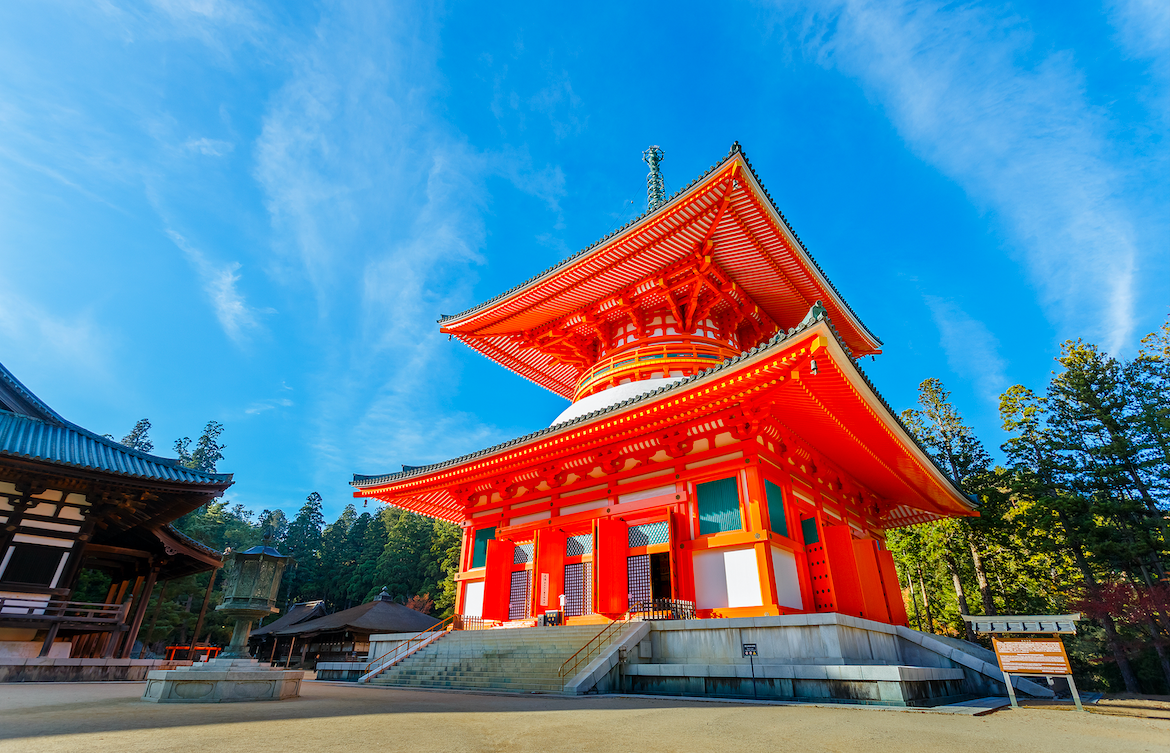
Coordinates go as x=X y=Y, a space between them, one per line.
x=649 y=534
x=579 y=546
x=522 y=554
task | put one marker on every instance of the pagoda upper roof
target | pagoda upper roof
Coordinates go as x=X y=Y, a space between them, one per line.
x=877 y=448
x=726 y=208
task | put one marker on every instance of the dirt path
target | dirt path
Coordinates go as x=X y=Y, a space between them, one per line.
x=109 y=717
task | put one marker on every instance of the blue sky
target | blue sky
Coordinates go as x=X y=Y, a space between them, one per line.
x=254 y=213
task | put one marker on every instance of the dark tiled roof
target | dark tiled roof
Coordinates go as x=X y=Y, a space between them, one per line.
x=815 y=314
x=305 y=610
x=377 y=616
x=735 y=149
x=31 y=430
x=196 y=545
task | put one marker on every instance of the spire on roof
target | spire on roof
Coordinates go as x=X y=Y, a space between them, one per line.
x=655 y=191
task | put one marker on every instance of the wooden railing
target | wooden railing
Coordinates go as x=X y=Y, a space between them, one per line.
x=466 y=622
x=663 y=609
x=81 y=612
x=406 y=648
x=585 y=653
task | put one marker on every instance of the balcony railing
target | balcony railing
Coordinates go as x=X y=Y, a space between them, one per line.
x=79 y=613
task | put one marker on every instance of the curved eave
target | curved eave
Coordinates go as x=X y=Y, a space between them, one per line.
x=70 y=446
x=426 y=489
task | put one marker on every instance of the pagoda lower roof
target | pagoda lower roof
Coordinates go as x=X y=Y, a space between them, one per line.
x=836 y=410
x=728 y=208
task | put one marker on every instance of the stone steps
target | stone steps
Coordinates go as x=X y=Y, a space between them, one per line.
x=516 y=660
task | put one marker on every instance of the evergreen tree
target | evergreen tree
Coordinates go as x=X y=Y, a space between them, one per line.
x=137 y=439
x=304 y=544
x=207 y=453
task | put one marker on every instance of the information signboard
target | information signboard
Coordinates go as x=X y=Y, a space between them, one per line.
x=1032 y=656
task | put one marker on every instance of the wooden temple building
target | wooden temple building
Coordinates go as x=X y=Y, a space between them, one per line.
x=723 y=456
x=71 y=499
x=311 y=636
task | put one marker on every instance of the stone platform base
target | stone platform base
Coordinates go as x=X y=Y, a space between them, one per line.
x=222 y=681
x=348 y=671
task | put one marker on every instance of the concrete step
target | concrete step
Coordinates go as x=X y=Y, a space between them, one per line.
x=520 y=660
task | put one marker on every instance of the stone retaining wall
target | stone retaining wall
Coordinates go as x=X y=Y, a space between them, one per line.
x=50 y=669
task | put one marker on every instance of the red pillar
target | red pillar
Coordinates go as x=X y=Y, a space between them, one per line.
x=497 y=584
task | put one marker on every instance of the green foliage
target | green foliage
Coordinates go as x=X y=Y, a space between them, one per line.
x=137 y=439
x=208 y=451
x=1077 y=519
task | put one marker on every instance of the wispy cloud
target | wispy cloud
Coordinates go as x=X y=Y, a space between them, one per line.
x=236 y=317
x=972 y=351
x=209 y=147
x=74 y=342
x=969 y=92
x=376 y=201
x=1143 y=28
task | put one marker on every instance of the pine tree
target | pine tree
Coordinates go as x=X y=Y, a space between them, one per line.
x=137 y=439
x=304 y=544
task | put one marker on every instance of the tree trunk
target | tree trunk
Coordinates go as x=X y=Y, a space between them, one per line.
x=914 y=600
x=1127 y=675
x=925 y=602
x=981 y=577
x=960 y=595
x=1163 y=658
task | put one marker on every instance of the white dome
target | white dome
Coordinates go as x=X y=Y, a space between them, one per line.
x=612 y=396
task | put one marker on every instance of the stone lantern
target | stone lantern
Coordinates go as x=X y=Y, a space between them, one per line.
x=251 y=582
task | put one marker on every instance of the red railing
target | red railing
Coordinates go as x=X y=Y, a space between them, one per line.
x=652 y=357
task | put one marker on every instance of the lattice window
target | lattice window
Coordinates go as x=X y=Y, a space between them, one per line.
x=577 y=546
x=578 y=589
x=519 y=606
x=718 y=503
x=638 y=569
x=522 y=554
x=648 y=534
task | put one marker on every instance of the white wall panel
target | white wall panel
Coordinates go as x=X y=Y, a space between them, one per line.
x=726 y=578
x=710 y=580
x=743 y=578
x=473 y=599
x=787 y=580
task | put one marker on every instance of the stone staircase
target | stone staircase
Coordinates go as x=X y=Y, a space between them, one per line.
x=520 y=660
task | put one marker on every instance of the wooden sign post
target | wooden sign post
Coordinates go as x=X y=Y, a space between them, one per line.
x=1034 y=656
x=1041 y=654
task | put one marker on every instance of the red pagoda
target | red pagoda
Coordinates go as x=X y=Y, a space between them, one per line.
x=723 y=453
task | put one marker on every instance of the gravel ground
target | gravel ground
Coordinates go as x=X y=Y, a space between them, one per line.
x=98 y=717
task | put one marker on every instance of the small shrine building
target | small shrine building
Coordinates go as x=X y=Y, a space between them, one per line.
x=724 y=455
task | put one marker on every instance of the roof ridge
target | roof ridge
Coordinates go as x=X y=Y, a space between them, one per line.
x=48 y=414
